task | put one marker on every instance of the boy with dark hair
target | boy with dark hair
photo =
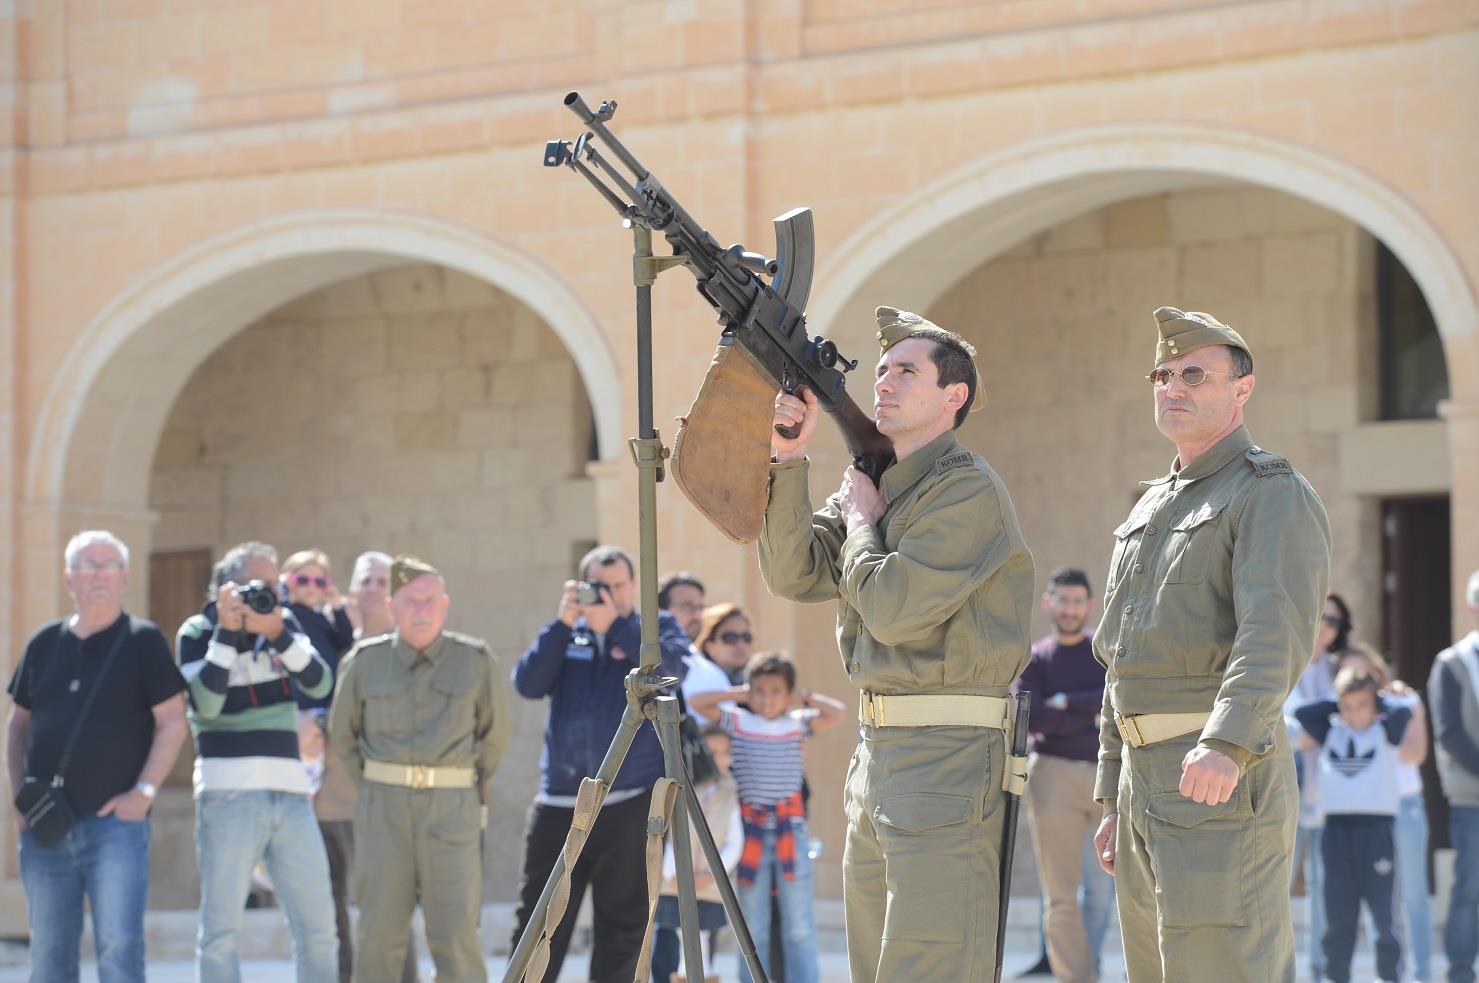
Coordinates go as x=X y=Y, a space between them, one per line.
x=1358 y=734
x=766 y=757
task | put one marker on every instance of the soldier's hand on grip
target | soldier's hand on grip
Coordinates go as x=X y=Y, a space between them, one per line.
x=798 y=414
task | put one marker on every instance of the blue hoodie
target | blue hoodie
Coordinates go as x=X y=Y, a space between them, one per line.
x=586 y=687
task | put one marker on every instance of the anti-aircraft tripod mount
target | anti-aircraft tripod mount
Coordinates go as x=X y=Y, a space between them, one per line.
x=643 y=209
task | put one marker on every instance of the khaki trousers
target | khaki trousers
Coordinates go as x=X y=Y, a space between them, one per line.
x=925 y=813
x=1062 y=810
x=418 y=845
x=1203 y=891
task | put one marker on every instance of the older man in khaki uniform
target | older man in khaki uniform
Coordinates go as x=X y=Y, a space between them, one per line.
x=935 y=590
x=1214 y=591
x=420 y=717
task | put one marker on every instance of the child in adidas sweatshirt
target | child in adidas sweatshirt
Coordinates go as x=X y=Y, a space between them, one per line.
x=1357 y=734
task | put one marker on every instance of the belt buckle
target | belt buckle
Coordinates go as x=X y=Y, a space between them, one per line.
x=420 y=776
x=1129 y=731
x=872 y=710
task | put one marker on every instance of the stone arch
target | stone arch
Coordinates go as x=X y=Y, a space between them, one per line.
x=118 y=382
x=913 y=252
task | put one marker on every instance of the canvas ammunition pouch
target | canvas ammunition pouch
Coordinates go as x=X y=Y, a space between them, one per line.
x=721 y=455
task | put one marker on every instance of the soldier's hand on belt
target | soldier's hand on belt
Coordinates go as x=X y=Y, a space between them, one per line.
x=569 y=610
x=797 y=414
x=1208 y=776
x=1104 y=841
x=859 y=499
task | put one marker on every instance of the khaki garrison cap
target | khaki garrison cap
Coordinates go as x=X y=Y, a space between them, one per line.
x=1186 y=331
x=405 y=569
x=895 y=325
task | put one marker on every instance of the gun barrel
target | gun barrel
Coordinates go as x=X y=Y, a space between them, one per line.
x=597 y=123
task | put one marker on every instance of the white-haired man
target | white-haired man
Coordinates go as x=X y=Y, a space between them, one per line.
x=103 y=684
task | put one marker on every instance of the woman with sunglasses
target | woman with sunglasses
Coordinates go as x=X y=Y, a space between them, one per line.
x=319 y=607
x=725 y=639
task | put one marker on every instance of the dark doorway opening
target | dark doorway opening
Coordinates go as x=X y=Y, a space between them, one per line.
x=1418 y=615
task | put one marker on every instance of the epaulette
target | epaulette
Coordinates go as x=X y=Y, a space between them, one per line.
x=467 y=640
x=1266 y=463
x=960 y=460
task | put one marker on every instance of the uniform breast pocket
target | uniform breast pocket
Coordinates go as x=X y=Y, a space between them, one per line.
x=1191 y=543
x=1126 y=540
x=456 y=686
x=387 y=711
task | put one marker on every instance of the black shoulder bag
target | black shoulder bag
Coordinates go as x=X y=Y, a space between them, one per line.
x=44 y=804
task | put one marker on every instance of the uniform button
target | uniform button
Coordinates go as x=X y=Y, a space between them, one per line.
x=1139 y=568
x=1150 y=530
x=1129 y=609
x=853 y=666
x=1120 y=651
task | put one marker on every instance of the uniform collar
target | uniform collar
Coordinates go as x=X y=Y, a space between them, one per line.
x=904 y=474
x=408 y=655
x=1229 y=448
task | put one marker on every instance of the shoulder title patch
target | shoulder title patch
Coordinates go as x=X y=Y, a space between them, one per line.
x=954 y=461
x=1265 y=463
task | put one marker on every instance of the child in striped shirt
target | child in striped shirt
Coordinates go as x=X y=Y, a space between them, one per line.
x=768 y=731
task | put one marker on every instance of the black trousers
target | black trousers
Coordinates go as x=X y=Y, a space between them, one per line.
x=613 y=865
x=1360 y=863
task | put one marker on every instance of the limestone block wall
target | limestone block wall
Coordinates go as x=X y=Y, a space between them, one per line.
x=1065 y=333
x=416 y=410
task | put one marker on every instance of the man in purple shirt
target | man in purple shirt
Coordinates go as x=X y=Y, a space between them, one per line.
x=1067 y=687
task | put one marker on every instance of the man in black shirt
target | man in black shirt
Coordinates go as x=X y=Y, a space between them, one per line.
x=125 y=746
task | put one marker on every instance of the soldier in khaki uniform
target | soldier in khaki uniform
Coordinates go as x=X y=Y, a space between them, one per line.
x=935 y=592
x=420 y=718
x=1213 y=594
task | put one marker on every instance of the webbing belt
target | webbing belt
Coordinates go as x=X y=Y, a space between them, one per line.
x=587 y=803
x=659 y=818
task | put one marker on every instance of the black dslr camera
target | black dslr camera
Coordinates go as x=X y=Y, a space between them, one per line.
x=258 y=595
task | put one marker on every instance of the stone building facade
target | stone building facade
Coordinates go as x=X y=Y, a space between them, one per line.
x=293 y=270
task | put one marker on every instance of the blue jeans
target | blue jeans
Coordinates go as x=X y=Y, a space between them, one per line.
x=798 y=922
x=1307 y=851
x=1411 y=832
x=233 y=830
x=107 y=861
x=1461 y=934
x=1095 y=900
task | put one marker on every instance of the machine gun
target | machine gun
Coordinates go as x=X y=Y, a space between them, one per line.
x=767 y=319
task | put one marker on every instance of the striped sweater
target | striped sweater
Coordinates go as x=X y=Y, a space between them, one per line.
x=243 y=712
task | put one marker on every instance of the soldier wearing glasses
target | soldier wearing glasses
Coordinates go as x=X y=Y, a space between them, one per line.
x=1215 y=587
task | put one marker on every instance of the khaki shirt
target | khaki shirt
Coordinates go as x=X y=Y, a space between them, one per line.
x=444 y=706
x=936 y=597
x=1215 y=586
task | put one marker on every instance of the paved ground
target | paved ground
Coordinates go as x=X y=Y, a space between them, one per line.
x=171 y=935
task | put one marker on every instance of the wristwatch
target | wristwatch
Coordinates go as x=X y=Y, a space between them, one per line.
x=149 y=790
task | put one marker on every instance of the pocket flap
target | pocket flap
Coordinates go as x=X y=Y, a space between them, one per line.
x=454 y=679
x=918 y=811
x=1130 y=526
x=1206 y=513
x=1178 y=810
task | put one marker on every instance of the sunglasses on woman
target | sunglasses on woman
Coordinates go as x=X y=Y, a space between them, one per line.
x=303 y=580
x=734 y=637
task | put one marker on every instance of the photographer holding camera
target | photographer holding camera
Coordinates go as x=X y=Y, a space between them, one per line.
x=580 y=661
x=242 y=656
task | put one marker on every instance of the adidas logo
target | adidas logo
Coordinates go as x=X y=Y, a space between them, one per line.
x=1353 y=762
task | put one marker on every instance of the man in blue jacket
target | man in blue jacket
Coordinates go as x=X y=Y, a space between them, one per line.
x=580 y=662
